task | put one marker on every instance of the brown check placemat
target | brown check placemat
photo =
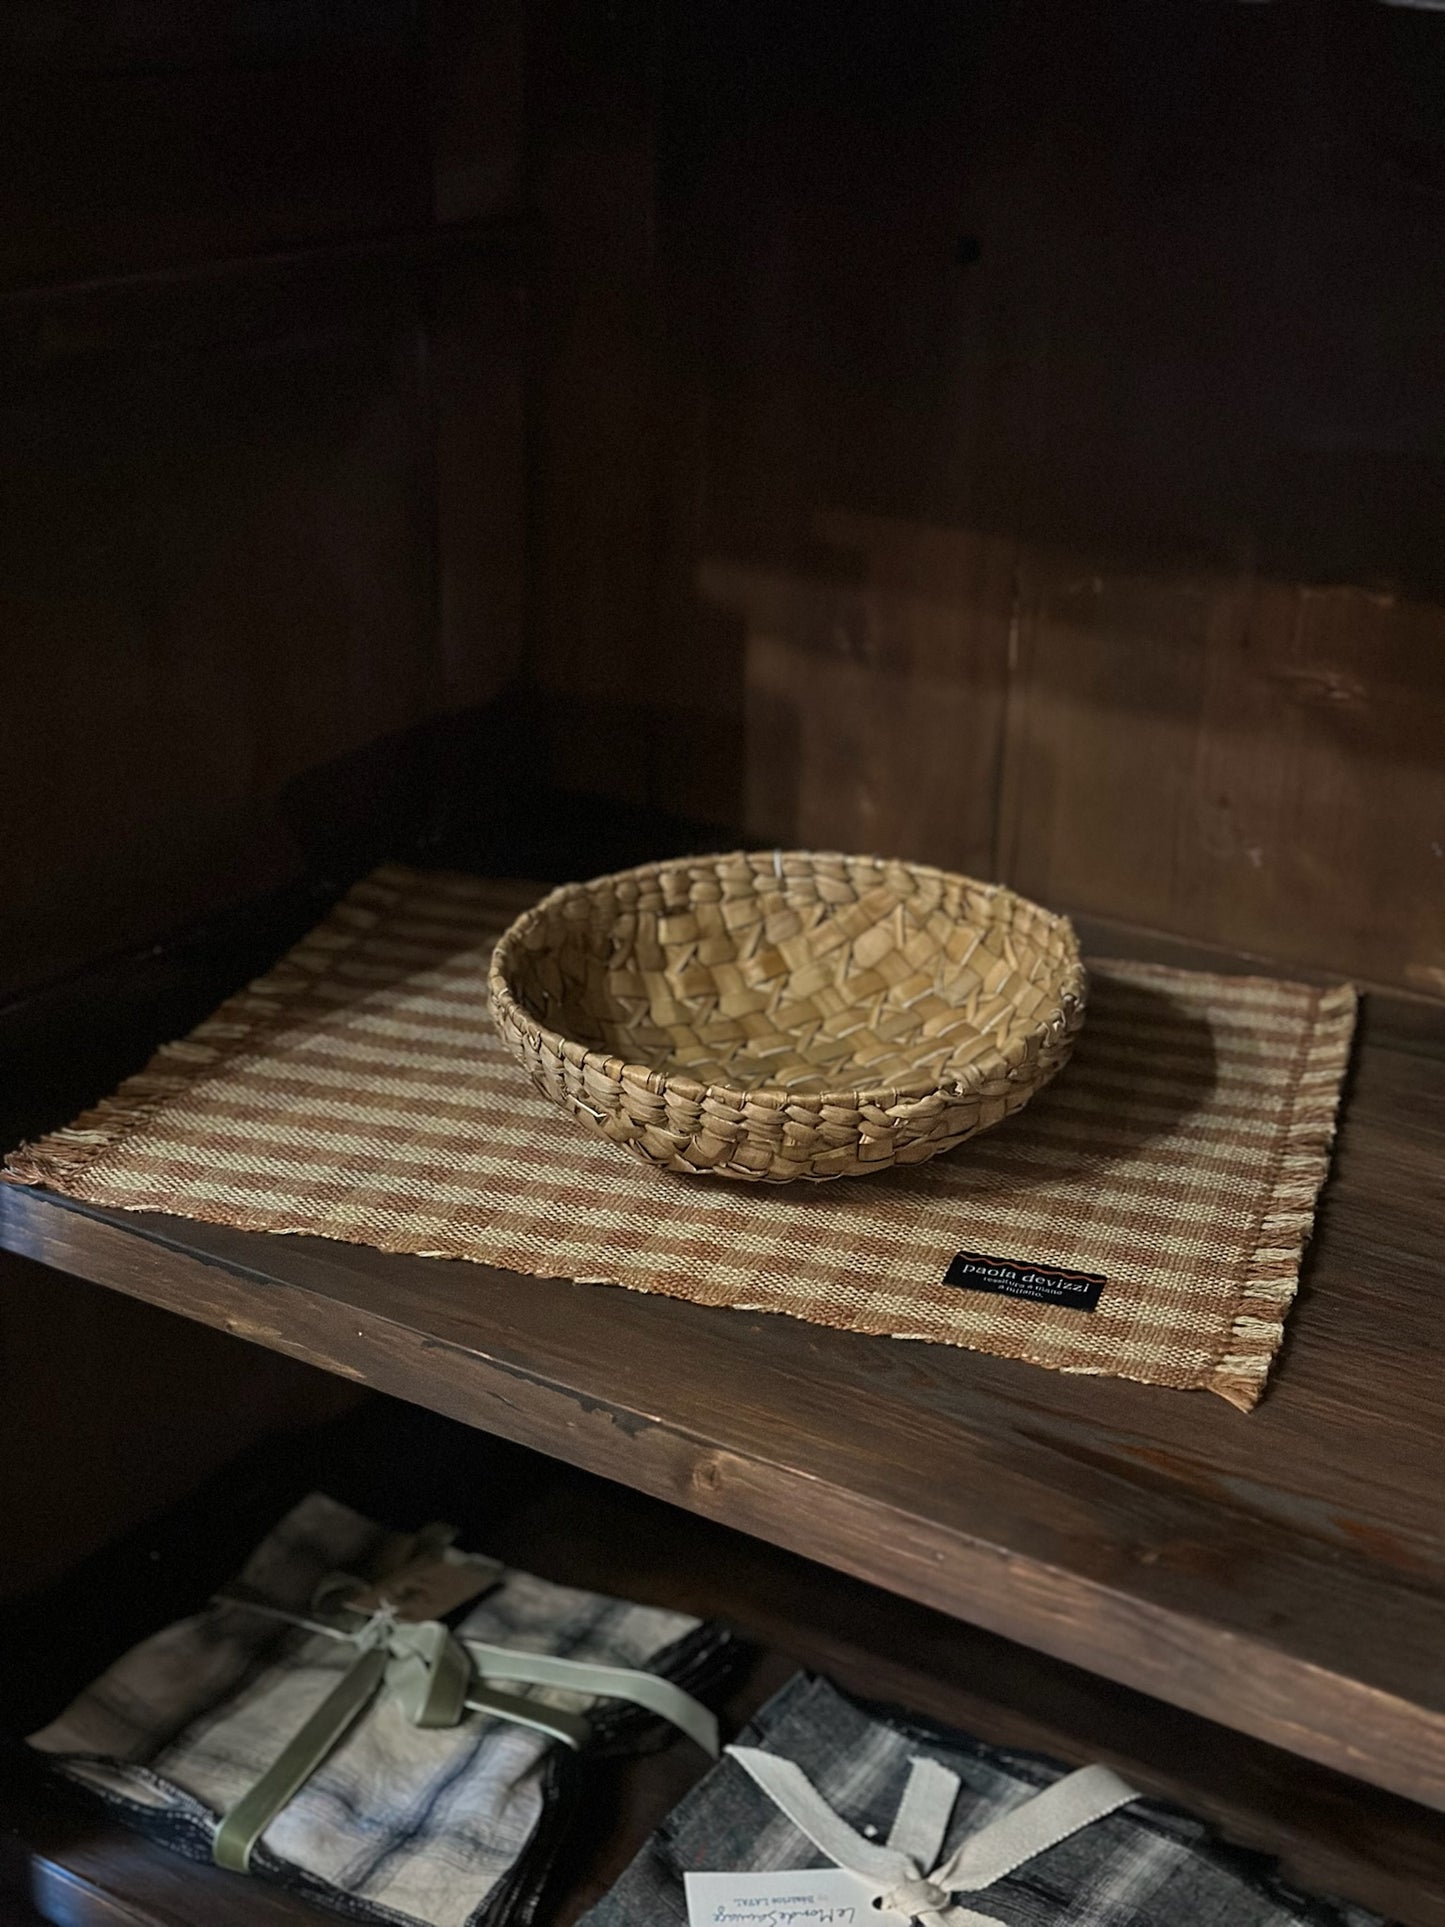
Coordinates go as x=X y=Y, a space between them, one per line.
x=359 y=1092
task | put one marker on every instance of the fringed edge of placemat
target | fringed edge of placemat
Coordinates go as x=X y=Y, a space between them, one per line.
x=61 y=1158
x=1301 y=1165
x=1301 y=1157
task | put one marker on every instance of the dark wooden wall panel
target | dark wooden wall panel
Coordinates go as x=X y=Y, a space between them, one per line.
x=594 y=449
x=1228 y=715
x=261 y=567
x=835 y=602
x=476 y=58
x=759 y=379
x=1251 y=763
x=215 y=567
x=1036 y=423
x=261 y=446
x=872 y=690
x=476 y=354
x=100 y=1425
x=133 y=138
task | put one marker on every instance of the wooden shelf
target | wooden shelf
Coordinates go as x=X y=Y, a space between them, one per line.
x=1282 y=1573
x=1332 y=1834
x=79 y=1868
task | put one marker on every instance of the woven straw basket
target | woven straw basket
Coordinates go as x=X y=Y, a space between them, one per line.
x=788 y=1015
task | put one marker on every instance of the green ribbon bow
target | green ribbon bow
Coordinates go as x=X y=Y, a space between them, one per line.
x=437 y=1678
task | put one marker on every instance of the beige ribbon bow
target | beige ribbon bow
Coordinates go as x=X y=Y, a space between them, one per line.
x=896 y=1871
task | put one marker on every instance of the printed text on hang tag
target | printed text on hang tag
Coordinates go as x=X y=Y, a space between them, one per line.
x=818 y=1897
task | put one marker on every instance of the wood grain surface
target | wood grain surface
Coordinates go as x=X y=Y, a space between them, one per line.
x=262 y=463
x=1283 y=1573
x=1333 y=1835
x=1014 y=441
x=141 y=141
x=81 y=1868
x=96 y=1429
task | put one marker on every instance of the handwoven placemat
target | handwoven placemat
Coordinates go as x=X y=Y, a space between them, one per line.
x=359 y=1092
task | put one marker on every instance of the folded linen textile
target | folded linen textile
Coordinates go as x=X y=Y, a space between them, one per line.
x=1146 y=1864
x=453 y=1826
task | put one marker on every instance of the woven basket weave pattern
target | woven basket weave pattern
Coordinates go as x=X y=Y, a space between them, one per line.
x=770 y=1017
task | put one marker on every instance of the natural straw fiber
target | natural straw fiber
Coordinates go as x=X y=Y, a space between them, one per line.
x=788 y=1015
x=360 y=1092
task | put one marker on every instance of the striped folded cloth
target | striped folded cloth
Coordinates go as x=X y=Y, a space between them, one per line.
x=1145 y=1864
x=450 y=1826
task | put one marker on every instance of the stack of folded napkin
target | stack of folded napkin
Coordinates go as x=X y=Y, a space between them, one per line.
x=332 y=1727
x=943 y=1830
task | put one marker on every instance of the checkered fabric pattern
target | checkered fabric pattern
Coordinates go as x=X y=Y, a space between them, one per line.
x=1146 y=1865
x=451 y=1826
x=360 y=1092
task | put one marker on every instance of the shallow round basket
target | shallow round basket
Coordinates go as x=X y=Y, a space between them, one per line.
x=788 y=1015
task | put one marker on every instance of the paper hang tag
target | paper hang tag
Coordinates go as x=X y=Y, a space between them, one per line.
x=429 y=1587
x=818 y=1897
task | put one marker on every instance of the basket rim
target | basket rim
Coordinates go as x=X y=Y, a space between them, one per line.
x=881 y=1096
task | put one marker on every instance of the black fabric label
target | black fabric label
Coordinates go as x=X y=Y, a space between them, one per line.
x=1044 y=1284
